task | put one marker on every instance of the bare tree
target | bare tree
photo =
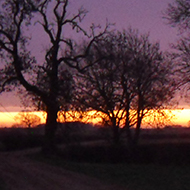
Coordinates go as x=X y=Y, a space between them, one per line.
x=27 y=119
x=178 y=15
x=45 y=80
x=134 y=79
x=150 y=74
x=98 y=87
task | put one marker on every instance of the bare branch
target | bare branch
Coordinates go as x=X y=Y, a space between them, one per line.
x=46 y=27
x=178 y=14
x=3 y=46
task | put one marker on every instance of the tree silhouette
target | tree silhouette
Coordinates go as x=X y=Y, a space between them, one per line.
x=134 y=79
x=149 y=71
x=46 y=79
x=178 y=15
x=98 y=88
x=27 y=119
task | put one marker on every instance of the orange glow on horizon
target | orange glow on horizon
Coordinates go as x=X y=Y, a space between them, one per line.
x=7 y=119
x=181 y=117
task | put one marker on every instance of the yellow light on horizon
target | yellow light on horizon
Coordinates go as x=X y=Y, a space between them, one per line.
x=181 y=117
x=7 y=119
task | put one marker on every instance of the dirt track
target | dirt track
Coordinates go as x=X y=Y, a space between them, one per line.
x=21 y=173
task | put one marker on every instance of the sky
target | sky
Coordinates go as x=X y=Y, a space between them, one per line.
x=144 y=15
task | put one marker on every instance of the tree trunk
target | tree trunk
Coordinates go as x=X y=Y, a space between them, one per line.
x=116 y=132
x=140 y=112
x=133 y=138
x=137 y=132
x=116 y=135
x=127 y=127
x=129 y=136
x=49 y=146
x=130 y=143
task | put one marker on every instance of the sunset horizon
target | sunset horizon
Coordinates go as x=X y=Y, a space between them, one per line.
x=121 y=71
x=179 y=117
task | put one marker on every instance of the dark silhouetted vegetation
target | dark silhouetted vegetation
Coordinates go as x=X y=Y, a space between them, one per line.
x=27 y=119
x=121 y=75
x=177 y=15
x=144 y=177
x=163 y=173
x=67 y=133
x=134 y=79
x=49 y=83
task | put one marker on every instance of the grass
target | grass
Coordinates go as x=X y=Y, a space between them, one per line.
x=130 y=176
x=158 y=166
x=2 y=185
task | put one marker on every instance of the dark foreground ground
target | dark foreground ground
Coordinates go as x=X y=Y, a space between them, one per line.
x=84 y=143
x=162 y=161
x=19 y=172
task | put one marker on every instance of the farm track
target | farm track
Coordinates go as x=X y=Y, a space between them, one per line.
x=20 y=172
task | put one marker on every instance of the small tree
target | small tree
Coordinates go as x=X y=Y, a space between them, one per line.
x=27 y=119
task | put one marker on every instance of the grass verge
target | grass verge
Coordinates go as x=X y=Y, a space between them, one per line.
x=2 y=185
x=130 y=176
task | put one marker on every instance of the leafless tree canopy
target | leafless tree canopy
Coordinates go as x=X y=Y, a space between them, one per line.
x=122 y=74
x=49 y=80
x=27 y=119
x=134 y=78
x=178 y=15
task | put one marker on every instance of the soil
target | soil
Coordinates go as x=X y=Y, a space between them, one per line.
x=19 y=172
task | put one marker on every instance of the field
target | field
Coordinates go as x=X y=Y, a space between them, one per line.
x=133 y=176
x=162 y=161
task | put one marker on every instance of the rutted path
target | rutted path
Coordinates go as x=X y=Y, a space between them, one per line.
x=21 y=173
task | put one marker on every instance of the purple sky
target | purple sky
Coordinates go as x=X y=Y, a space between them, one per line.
x=145 y=15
